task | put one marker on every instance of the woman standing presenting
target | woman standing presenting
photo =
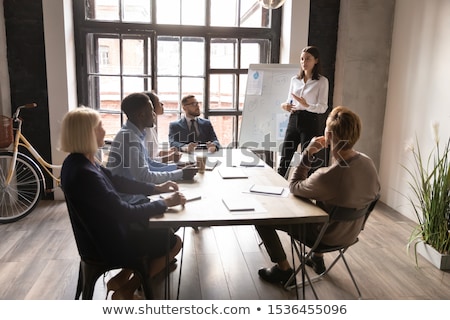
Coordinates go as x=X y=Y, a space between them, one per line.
x=307 y=102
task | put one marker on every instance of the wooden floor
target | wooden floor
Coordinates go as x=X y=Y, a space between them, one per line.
x=39 y=260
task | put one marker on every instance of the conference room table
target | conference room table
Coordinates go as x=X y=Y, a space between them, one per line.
x=211 y=191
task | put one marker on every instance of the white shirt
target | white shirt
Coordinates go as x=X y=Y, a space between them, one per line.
x=151 y=142
x=315 y=93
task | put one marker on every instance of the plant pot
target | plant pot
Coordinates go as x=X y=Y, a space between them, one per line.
x=439 y=260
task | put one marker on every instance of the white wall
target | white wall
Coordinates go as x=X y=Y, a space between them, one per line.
x=418 y=91
x=294 y=30
x=61 y=69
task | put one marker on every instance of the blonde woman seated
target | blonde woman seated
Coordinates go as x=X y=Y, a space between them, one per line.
x=120 y=230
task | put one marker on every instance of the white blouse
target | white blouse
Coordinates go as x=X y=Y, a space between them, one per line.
x=315 y=93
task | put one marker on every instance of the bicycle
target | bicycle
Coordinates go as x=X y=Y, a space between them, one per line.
x=22 y=180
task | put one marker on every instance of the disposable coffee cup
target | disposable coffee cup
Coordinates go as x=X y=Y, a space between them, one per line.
x=201 y=163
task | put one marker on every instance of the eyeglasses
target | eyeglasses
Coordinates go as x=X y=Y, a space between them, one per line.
x=195 y=104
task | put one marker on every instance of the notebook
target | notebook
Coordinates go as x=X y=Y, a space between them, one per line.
x=211 y=165
x=237 y=203
x=232 y=173
x=267 y=189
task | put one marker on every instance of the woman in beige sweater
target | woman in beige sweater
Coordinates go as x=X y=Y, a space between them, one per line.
x=350 y=181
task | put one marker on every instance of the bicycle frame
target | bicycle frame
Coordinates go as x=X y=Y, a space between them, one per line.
x=21 y=140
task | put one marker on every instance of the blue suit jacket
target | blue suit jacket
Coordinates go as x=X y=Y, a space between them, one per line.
x=179 y=133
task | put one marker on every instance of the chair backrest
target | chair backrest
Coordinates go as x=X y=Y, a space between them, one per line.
x=370 y=209
x=344 y=214
x=84 y=240
x=349 y=214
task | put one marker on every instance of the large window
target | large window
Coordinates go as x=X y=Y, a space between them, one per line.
x=173 y=47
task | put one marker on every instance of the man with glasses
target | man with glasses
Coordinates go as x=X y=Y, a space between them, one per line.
x=192 y=132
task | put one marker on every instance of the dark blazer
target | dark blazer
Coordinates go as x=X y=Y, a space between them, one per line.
x=104 y=218
x=179 y=133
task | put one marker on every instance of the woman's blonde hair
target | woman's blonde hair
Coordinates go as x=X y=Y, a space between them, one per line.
x=345 y=127
x=78 y=131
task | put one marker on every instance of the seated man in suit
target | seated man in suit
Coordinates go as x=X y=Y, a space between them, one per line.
x=191 y=132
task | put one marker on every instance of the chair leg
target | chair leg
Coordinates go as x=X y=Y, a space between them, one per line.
x=147 y=288
x=306 y=279
x=79 y=283
x=339 y=256
x=90 y=275
x=146 y=283
x=351 y=276
x=342 y=256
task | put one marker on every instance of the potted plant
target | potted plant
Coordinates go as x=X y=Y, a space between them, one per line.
x=430 y=199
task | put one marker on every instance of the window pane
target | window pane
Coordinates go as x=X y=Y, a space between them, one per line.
x=108 y=89
x=223 y=13
x=136 y=10
x=193 y=56
x=254 y=15
x=107 y=56
x=221 y=91
x=223 y=53
x=250 y=53
x=194 y=86
x=133 y=56
x=168 y=11
x=224 y=128
x=193 y=12
x=168 y=92
x=111 y=124
x=163 y=127
x=242 y=90
x=169 y=56
x=133 y=84
x=102 y=10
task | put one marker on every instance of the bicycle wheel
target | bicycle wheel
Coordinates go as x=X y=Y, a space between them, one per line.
x=22 y=194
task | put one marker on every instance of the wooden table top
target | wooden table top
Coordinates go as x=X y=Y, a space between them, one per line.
x=211 y=210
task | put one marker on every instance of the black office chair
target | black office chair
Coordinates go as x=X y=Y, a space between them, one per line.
x=337 y=214
x=91 y=268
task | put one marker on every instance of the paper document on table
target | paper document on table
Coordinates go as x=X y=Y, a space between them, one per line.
x=258 y=188
x=232 y=173
x=239 y=203
x=189 y=195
